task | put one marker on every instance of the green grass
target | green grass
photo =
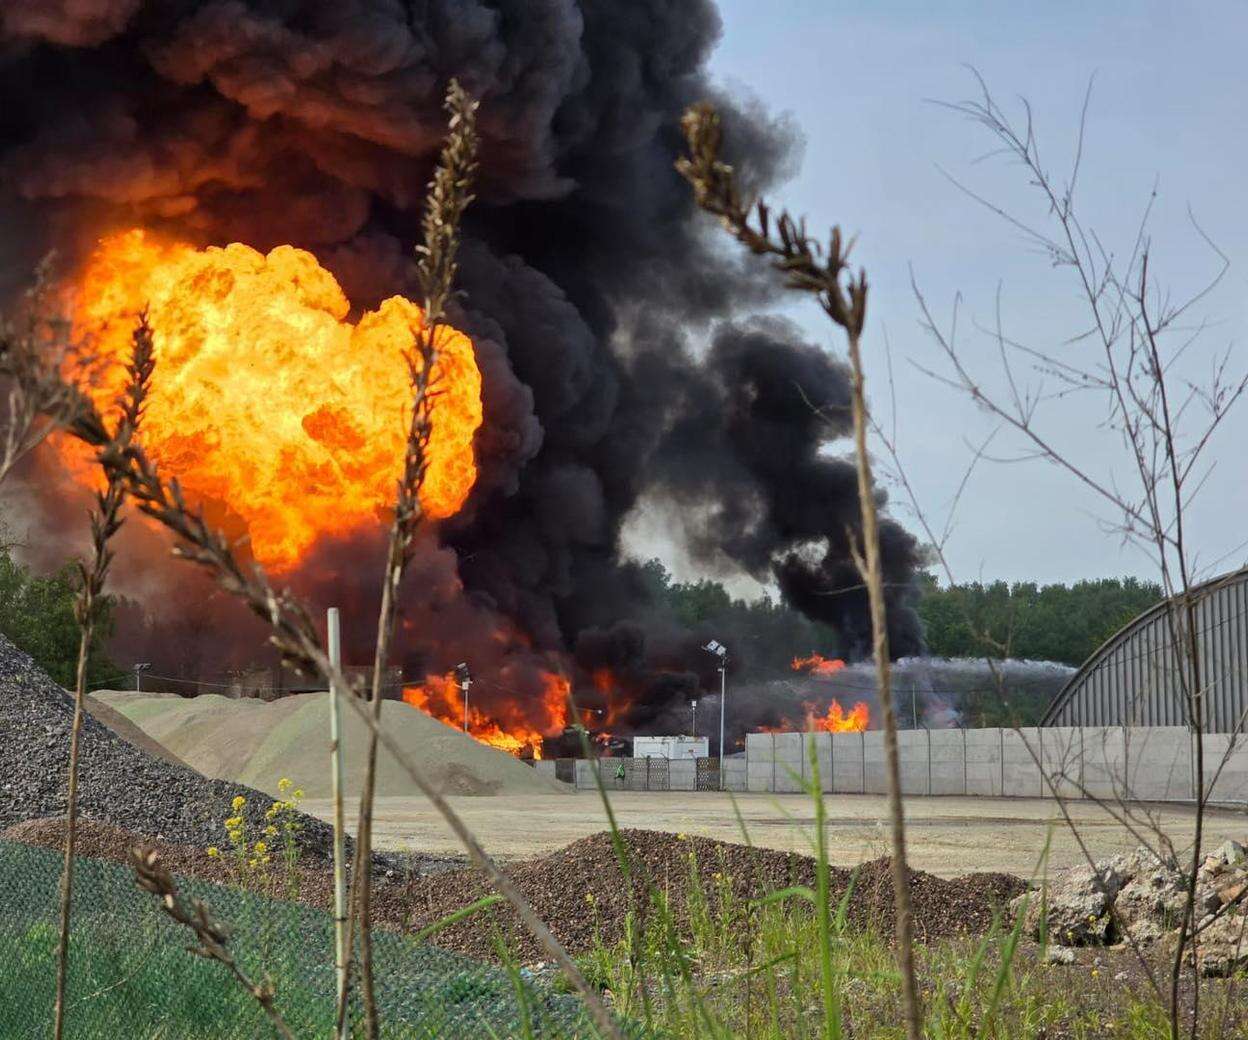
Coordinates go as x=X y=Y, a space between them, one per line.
x=788 y=966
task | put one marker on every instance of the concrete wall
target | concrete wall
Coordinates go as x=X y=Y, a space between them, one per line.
x=1139 y=763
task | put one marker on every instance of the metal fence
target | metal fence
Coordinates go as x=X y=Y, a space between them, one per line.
x=131 y=975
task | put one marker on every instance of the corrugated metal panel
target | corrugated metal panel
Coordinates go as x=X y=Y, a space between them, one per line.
x=1137 y=679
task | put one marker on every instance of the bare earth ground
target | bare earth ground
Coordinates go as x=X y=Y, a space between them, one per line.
x=947 y=836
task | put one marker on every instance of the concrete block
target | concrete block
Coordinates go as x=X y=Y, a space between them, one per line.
x=1104 y=762
x=874 y=771
x=1061 y=759
x=912 y=761
x=760 y=747
x=758 y=776
x=846 y=763
x=788 y=779
x=1020 y=751
x=947 y=761
x=983 y=762
x=1159 y=763
x=682 y=776
x=788 y=749
x=1226 y=767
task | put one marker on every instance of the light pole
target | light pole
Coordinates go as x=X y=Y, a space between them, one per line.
x=139 y=669
x=720 y=651
x=464 y=678
x=694 y=706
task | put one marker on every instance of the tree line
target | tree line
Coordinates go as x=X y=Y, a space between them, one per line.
x=1064 y=623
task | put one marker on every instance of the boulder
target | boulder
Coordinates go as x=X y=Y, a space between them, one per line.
x=1222 y=949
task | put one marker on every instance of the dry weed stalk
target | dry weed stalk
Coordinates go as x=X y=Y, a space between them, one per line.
x=152 y=876
x=105 y=522
x=1150 y=407
x=292 y=633
x=807 y=268
x=450 y=193
x=36 y=400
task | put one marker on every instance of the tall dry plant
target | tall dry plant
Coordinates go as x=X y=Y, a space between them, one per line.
x=1130 y=355
x=36 y=402
x=292 y=631
x=105 y=522
x=807 y=267
x=449 y=194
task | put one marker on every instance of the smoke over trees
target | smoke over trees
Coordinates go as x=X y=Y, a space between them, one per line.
x=590 y=289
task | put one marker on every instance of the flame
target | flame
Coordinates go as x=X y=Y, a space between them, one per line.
x=833 y=719
x=441 y=697
x=279 y=416
x=836 y=719
x=818 y=665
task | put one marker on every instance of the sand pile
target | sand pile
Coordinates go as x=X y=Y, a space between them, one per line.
x=257 y=743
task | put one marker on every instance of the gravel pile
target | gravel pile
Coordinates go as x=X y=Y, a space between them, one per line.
x=119 y=783
x=580 y=888
x=418 y=893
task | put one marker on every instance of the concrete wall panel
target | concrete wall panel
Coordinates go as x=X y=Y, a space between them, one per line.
x=846 y=763
x=983 y=762
x=1159 y=763
x=947 y=754
x=875 y=780
x=1020 y=773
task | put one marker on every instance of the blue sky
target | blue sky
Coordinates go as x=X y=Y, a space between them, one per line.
x=1169 y=105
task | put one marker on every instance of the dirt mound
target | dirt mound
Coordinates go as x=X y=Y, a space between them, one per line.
x=581 y=887
x=257 y=743
x=121 y=784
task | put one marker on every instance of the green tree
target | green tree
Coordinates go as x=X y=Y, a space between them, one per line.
x=1040 y=622
x=37 y=615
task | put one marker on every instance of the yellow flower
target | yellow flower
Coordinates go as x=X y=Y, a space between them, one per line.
x=232 y=822
x=213 y=851
x=259 y=848
x=680 y=837
x=283 y=784
x=274 y=809
x=239 y=802
x=296 y=796
x=270 y=830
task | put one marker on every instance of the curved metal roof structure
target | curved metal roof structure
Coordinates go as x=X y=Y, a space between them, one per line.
x=1134 y=678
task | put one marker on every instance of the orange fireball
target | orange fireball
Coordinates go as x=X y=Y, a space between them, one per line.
x=281 y=417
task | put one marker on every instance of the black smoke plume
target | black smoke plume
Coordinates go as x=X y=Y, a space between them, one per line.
x=590 y=287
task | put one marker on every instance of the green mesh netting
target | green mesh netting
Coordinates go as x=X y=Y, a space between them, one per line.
x=131 y=975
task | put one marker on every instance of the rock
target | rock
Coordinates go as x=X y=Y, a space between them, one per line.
x=1074 y=909
x=1059 y=955
x=1222 y=949
x=1233 y=854
x=1232 y=893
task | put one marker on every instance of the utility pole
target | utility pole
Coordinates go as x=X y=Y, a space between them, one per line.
x=720 y=651
x=464 y=678
x=139 y=669
x=694 y=706
x=334 y=631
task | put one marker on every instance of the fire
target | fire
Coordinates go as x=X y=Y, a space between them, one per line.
x=836 y=719
x=817 y=665
x=833 y=720
x=281 y=417
x=441 y=697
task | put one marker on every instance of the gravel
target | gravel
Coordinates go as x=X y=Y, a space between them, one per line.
x=580 y=888
x=420 y=893
x=119 y=784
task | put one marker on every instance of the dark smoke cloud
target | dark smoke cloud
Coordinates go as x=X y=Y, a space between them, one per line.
x=585 y=268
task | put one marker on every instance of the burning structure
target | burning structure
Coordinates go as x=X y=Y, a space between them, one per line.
x=250 y=172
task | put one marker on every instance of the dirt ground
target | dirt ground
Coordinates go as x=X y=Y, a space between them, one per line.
x=947 y=836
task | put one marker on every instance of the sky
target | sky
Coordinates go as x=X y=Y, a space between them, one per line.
x=1168 y=110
